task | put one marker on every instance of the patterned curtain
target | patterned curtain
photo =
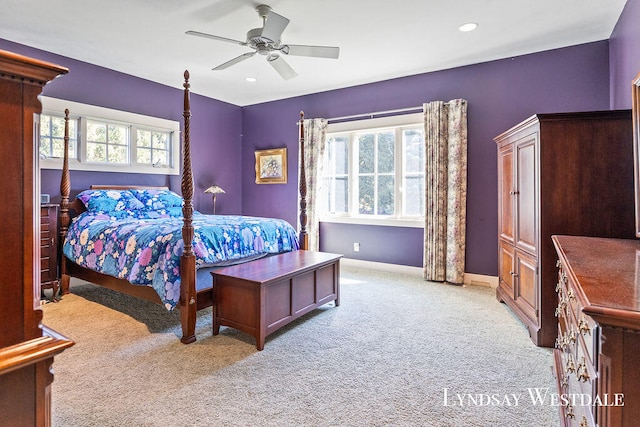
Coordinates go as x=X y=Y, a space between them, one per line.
x=445 y=126
x=315 y=131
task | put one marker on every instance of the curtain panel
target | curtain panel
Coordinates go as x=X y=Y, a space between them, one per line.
x=445 y=126
x=315 y=131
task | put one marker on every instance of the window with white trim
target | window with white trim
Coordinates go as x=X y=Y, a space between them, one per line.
x=374 y=171
x=102 y=139
x=52 y=136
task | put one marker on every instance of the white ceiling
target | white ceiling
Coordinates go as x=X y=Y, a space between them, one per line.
x=378 y=39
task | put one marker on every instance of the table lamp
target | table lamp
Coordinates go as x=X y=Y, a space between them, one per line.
x=215 y=190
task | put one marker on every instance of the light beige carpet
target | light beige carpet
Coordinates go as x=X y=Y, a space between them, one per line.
x=397 y=352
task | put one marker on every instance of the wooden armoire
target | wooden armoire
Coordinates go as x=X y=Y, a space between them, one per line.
x=27 y=348
x=566 y=173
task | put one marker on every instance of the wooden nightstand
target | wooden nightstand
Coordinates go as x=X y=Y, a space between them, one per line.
x=49 y=277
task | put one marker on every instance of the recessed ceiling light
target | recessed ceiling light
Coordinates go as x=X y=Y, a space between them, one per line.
x=250 y=79
x=469 y=26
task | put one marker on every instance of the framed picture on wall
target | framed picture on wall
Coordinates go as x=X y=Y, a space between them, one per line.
x=271 y=166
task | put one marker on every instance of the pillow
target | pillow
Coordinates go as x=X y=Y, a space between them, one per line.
x=158 y=199
x=110 y=200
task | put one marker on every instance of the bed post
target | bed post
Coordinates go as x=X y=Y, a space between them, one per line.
x=188 y=304
x=65 y=219
x=304 y=237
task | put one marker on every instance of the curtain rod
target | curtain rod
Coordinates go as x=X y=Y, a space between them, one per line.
x=376 y=113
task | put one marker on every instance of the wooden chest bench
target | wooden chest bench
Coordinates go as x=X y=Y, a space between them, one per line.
x=261 y=296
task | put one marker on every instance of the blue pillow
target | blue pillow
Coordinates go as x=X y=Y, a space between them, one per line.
x=158 y=199
x=110 y=200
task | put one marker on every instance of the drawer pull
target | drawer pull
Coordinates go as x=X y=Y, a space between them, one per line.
x=558 y=264
x=569 y=413
x=583 y=325
x=558 y=287
x=563 y=277
x=562 y=303
x=571 y=364
x=584 y=422
x=560 y=343
x=571 y=295
x=558 y=311
x=565 y=381
x=573 y=336
x=583 y=375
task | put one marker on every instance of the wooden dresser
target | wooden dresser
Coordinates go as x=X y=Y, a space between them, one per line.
x=598 y=342
x=568 y=173
x=27 y=348
x=49 y=276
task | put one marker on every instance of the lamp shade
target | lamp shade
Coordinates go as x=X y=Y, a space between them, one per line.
x=214 y=189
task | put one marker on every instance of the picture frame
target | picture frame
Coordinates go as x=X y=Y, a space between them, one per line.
x=271 y=166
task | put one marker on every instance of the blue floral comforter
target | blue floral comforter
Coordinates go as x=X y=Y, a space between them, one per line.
x=146 y=250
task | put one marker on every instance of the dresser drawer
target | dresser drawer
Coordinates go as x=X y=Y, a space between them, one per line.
x=49 y=270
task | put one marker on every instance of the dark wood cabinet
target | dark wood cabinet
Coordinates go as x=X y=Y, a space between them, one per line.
x=27 y=347
x=566 y=173
x=49 y=274
x=598 y=335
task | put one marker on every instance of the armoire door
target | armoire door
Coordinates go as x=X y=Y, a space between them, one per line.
x=526 y=194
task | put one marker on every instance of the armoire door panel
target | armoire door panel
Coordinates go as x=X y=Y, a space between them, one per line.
x=506 y=189
x=507 y=269
x=526 y=293
x=526 y=195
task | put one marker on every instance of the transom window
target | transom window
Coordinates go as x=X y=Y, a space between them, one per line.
x=102 y=139
x=107 y=143
x=374 y=171
x=153 y=147
x=52 y=136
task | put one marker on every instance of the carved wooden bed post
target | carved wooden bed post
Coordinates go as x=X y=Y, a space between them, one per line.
x=188 y=259
x=304 y=237
x=65 y=219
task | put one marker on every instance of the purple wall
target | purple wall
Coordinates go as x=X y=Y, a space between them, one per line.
x=624 y=55
x=215 y=128
x=500 y=94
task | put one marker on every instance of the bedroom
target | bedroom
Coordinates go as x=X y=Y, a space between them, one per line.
x=591 y=76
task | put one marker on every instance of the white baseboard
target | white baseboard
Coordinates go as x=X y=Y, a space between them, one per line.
x=469 y=278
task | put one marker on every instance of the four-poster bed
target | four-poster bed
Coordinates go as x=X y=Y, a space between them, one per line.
x=195 y=290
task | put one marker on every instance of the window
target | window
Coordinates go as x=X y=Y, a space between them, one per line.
x=107 y=143
x=101 y=139
x=153 y=147
x=52 y=136
x=374 y=171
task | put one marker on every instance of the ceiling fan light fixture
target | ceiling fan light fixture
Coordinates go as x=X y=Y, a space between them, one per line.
x=469 y=26
x=266 y=41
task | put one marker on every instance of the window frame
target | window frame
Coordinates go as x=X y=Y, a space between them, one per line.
x=398 y=123
x=132 y=121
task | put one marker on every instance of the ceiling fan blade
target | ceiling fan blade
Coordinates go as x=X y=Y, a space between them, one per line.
x=281 y=66
x=234 y=61
x=315 y=51
x=274 y=26
x=211 y=36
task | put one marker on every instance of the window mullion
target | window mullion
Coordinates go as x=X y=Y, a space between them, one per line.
x=399 y=174
x=82 y=144
x=375 y=173
x=354 y=191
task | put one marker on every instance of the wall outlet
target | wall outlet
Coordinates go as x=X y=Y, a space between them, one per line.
x=356 y=247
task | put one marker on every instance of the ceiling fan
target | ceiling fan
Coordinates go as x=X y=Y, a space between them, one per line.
x=266 y=41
